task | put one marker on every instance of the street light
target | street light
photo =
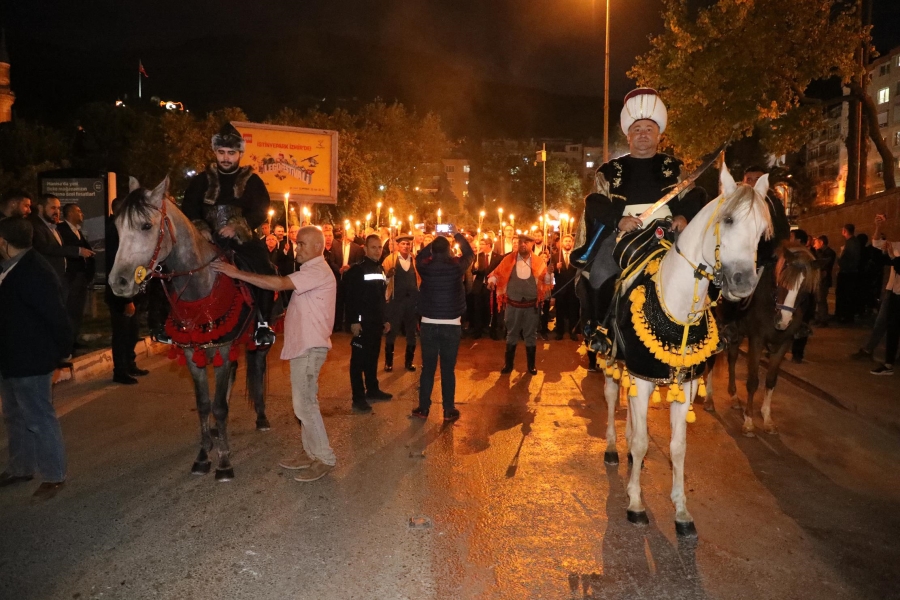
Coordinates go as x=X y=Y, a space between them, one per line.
x=606 y=93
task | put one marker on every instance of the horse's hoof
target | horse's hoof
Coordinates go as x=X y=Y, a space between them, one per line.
x=638 y=517
x=611 y=458
x=748 y=433
x=201 y=468
x=224 y=474
x=685 y=529
x=772 y=430
x=710 y=407
x=262 y=424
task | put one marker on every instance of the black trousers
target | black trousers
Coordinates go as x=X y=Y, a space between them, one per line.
x=124 y=338
x=846 y=295
x=567 y=311
x=481 y=310
x=402 y=311
x=78 y=290
x=253 y=256
x=364 y=351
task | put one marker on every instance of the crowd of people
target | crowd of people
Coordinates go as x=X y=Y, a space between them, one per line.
x=429 y=288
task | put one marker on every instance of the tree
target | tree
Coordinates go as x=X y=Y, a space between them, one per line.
x=26 y=149
x=738 y=65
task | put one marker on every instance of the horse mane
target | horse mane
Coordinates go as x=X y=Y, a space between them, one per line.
x=795 y=262
x=745 y=201
x=135 y=207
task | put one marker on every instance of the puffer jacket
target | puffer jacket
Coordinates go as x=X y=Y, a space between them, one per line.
x=442 y=294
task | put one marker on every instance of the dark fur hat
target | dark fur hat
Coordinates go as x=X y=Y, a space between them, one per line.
x=228 y=137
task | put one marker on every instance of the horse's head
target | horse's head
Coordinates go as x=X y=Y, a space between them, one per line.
x=142 y=243
x=797 y=276
x=742 y=216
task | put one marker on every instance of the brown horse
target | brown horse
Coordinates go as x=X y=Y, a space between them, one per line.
x=770 y=320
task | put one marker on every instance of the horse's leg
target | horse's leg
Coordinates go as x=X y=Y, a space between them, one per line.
x=201 y=393
x=256 y=377
x=611 y=393
x=639 y=442
x=684 y=523
x=733 y=350
x=754 y=351
x=708 y=404
x=224 y=380
x=772 y=379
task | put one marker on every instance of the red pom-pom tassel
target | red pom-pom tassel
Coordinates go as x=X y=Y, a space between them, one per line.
x=182 y=359
x=173 y=353
x=218 y=361
x=200 y=357
x=233 y=352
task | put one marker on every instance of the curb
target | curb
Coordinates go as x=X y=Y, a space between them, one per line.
x=99 y=363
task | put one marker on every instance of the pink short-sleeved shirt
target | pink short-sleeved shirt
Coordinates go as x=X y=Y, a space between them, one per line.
x=310 y=315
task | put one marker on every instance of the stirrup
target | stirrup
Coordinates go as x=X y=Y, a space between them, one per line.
x=597 y=340
x=264 y=336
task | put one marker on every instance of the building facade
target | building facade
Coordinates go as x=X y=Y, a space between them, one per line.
x=7 y=97
x=884 y=88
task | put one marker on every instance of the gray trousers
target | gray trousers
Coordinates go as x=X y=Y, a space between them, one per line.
x=524 y=322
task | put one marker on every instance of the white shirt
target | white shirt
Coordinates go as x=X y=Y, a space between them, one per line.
x=76 y=229
x=523 y=267
x=346 y=248
x=404 y=262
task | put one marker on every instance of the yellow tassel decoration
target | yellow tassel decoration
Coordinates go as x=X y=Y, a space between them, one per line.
x=656 y=398
x=701 y=391
x=617 y=374
x=691 y=415
x=632 y=389
x=672 y=393
x=609 y=371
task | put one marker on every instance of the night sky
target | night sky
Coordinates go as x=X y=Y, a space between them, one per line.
x=514 y=67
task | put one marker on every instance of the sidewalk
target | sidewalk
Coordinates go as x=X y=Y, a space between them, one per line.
x=835 y=377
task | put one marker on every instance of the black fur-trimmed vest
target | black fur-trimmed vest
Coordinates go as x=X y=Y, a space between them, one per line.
x=640 y=180
x=222 y=208
x=213 y=191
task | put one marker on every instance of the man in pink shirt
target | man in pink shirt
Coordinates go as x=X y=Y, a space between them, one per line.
x=307 y=339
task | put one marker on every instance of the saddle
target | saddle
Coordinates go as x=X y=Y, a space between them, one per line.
x=635 y=246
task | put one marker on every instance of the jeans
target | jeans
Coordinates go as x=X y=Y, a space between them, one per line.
x=439 y=341
x=880 y=327
x=35 y=437
x=304 y=393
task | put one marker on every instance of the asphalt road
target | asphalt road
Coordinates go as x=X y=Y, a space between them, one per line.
x=513 y=501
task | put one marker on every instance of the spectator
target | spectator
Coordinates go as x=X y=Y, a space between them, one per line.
x=366 y=287
x=522 y=282
x=507 y=243
x=880 y=327
x=79 y=270
x=798 y=346
x=567 y=309
x=871 y=275
x=47 y=240
x=36 y=334
x=272 y=247
x=846 y=291
x=285 y=262
x=402 y=296
x=264 y=230
x=307 y=340
x=485 y=262
x=340 y=258
x=15 y=203
x=442 y=303
x=892 y=316
x=825 y=256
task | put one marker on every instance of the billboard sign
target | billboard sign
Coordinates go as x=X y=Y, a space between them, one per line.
x=293 y=160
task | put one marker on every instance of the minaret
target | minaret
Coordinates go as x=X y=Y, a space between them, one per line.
x=7 y=98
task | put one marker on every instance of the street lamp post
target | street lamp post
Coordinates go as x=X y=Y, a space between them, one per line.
x=606 y=93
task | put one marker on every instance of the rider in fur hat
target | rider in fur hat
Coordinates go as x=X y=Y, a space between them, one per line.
x=624 y=188
x=228 y=202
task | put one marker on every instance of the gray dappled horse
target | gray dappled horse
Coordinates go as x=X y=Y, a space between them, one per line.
x=771 y=319
x=153 y=234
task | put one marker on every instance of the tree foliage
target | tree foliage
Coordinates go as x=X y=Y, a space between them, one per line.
x=740 y=64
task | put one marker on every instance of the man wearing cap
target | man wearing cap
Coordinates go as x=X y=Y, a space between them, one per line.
x=625 y=187
x=522 y=282
x=402 y=295
x=229 y=201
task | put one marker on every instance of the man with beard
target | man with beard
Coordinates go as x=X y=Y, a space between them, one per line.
x=15 y=203
x=79 y=270
x=48 y=242
x=230 y=201
x=564 y=290
x=402 y=296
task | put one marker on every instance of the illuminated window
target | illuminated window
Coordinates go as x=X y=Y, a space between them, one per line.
x=897 y=138
x=884 y=95
x=465 y=168
x=589 y=164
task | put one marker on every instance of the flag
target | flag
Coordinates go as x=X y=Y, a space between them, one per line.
x=141 y=69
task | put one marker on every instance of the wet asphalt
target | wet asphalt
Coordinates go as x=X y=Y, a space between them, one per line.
x=512 y=501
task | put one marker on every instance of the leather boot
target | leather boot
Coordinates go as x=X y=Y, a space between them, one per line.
x=530 y=352
x=510 y=356
x=410 y=354
x=592 y=362
x=388 y=357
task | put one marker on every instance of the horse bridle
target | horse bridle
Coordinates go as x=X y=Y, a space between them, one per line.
x=702 y=271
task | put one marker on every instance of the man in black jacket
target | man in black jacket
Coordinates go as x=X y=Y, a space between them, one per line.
x=340 y=257
x=442 y=303
x=80 y=270
x=231 y=201
x=47 y=240
x=485 y=262
x=567 y=308
x=36 y=334
x=366 y=285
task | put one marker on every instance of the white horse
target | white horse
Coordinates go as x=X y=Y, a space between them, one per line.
x=718 y=244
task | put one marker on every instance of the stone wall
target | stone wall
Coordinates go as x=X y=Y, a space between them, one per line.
x=862 y=213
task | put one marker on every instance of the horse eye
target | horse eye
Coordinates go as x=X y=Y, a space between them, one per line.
x=146 y=226
x=729 y=221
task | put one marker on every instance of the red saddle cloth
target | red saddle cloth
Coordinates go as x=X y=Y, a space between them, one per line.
x=204 y=321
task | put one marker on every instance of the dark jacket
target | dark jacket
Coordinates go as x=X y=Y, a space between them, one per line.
x=242 y=188
x=851 y=256
x=365 y=294
x=482 y=267
x=826 y=258
x=80 y=265
x=442 y=293
x=46 y=244
x=563 y=277
x=335 y=256
x=36 y=329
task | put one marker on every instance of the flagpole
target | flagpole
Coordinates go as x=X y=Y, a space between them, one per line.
x=140 y=66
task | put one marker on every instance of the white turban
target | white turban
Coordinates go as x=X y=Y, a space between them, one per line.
x=644 y=103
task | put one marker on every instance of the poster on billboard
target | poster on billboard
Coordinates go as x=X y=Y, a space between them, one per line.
x=293 y=160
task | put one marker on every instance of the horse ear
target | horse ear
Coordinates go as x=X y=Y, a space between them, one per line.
x=762 y=186
x=158 y=195
x=726 y=181
x=133 y=184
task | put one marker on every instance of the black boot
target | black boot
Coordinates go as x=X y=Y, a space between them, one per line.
x=510 y=356
x=592 y=362
x=410 y=354
x=388 y=357
x=530 y=352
